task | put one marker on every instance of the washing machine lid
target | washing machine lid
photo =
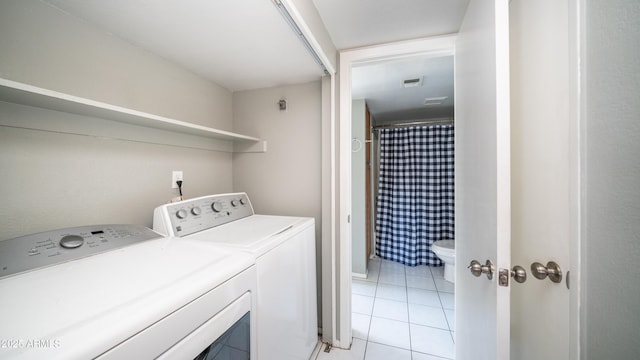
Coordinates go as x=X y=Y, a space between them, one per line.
x=256 y=234
x=80 y=309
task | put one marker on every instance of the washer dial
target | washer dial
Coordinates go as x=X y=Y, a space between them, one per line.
x=181 y=214
x=216 y=206
x=71 y=241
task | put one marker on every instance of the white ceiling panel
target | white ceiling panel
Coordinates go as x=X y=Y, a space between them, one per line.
x=355 y=23
x=239 y=44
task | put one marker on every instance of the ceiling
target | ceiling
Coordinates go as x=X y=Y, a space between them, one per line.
x=355 y=23
x=246 y=44
x=382 y=85
x=239 y=44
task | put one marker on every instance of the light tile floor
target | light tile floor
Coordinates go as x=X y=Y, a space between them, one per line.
x=400 y=312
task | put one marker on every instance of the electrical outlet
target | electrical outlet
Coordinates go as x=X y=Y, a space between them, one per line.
x=176 y=176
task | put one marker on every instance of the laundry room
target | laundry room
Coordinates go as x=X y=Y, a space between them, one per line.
x=69 y=169
x=178 y=180
x=93 y=128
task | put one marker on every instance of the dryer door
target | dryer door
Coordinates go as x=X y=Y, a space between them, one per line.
x=225 y=336
x=222 y=335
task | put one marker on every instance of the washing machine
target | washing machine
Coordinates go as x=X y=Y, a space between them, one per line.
x=124 y=292
x=284 y=248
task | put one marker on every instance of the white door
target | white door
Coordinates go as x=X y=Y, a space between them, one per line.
x=543 y=198
x=482 y=179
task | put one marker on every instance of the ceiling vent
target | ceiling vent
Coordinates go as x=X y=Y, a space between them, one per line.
x=415 y=82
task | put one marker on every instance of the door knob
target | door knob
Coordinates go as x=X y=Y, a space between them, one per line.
x=478 y=269
x=519 y=274
x=552 y=270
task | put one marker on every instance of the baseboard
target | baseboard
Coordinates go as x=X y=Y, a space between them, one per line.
x=358 y=275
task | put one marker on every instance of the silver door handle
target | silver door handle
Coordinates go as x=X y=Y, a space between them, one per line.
x=478 y=269
x=552 y=271
x=518 y=273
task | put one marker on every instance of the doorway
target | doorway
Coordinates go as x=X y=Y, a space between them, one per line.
x=434 y=47
x=570 y=160
x=392 y=98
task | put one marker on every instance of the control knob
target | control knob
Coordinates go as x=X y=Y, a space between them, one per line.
x=181 y=214
x=234 y=203
x=216 y=206
x=196 y=211
x=71 y=241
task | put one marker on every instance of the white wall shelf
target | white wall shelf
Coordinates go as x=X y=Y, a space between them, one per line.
x=20 y=93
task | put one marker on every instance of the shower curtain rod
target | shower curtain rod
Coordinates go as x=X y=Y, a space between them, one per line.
x=415 y=123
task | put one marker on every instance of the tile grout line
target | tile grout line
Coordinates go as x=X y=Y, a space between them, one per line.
x=406 y=291
x=443 y=309
x=375 y=295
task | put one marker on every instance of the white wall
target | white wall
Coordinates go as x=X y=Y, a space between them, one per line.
x=286 y=180
x=57 y=179
x=358 y=190
x=611 y=181
x=46 y=47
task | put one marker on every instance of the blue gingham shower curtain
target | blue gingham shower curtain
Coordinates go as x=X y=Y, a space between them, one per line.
x=415 y=201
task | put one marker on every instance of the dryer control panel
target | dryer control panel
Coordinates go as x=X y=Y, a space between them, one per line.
x=48 y=248
x=198 y=214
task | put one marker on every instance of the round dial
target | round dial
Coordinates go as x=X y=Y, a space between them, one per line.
x=71 y=241
x=234 y=203
x=242 y=201
x=181 y=214
x=196 y=211
x=216 y=206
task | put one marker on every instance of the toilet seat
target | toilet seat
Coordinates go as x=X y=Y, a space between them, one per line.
x=446 y=246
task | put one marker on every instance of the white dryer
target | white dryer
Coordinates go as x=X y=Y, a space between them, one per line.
x=124 y=292
x=284 y=248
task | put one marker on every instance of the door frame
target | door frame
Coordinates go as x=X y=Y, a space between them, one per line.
x=577 y=142
x=432 y=46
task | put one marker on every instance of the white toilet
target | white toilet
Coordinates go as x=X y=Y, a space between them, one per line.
x=446 y=251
